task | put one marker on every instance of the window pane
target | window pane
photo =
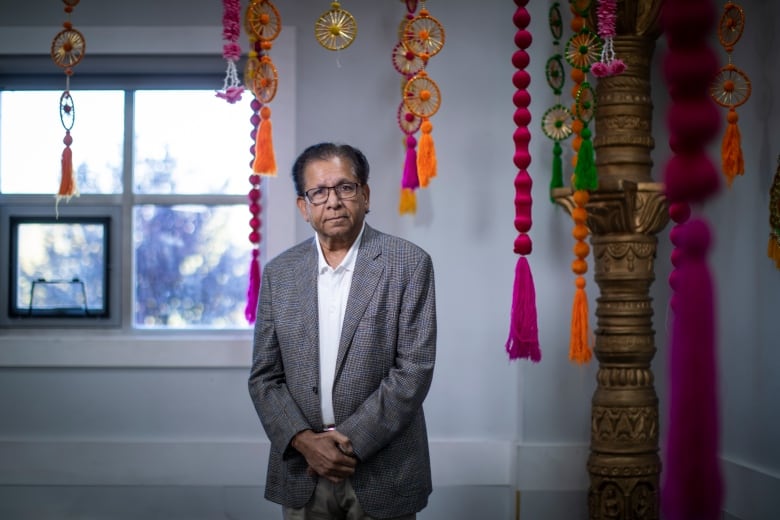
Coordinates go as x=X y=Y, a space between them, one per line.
x=31 y=145
x=191 y=142
x=60 y=267
x=191 y=266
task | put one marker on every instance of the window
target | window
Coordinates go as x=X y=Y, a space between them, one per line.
x=157 y=238
x=59 y=267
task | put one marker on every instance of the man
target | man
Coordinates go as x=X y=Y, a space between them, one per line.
x=344 y=350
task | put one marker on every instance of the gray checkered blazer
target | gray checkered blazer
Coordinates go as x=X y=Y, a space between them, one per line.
x=383 y=372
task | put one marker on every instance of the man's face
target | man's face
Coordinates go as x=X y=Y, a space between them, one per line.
x=338 y=219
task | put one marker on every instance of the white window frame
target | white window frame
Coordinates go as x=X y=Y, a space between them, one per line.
x=120 y=58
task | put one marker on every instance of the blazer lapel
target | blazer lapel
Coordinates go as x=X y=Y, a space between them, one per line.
x=307 y=286
x=368 y=271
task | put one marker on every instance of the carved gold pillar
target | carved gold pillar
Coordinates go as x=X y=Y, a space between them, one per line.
x=624 y=215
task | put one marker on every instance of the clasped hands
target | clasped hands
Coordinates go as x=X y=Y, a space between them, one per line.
x=329 y=454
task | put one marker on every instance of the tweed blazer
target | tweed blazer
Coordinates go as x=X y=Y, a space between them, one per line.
x=383 y=371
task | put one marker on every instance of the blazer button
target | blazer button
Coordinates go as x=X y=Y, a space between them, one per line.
x=314 y=389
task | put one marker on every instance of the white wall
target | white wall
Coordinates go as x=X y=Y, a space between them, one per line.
x=157 y=425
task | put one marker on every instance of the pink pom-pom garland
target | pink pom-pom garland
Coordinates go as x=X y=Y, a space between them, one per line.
x=608 y=65
x=692 y=486
x=232 y=89
x=523 y=340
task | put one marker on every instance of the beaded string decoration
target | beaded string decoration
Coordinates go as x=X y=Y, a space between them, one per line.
x=336 y=28
x=263 y=25
x=424 y=37
x=693 y=485
x=731 y=89
x=67 y=51
x=232 y=89
x=557 y=120
x=407 y=64
x=773 y=249
x=582 y=50
x=608 y=65
x=523 y=340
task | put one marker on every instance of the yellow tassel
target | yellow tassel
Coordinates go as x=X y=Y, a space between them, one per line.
x=426 y=155
x=265 y=160
x=579 y=352
x=731 y=156
x=408 y=202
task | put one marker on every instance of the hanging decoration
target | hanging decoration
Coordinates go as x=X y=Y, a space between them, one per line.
x=731 y=89
x=523 y=340
x=336 y=28
x=67 y=51
x=407 y=64
x=608 y=65
x=774 y=218
x=232 y=89
x=582 y=50
x=692 y=485
x=557 y=120
x=424 y=37
x=255 y=222
x=263 y=25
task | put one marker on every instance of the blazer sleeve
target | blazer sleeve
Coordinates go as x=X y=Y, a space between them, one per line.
x=397 y=402
x=278 y=412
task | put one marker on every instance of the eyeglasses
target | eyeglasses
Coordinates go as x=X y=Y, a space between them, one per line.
x=344 y=191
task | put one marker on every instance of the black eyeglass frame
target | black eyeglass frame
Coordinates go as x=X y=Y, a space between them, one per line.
x=336 y=189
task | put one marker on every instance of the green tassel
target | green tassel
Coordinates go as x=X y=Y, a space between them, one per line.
x=557 y=169
x=585 y=177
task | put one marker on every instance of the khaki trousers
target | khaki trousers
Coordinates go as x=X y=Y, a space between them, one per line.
x=333 y=502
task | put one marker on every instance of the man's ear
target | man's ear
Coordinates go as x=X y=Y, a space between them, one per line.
x=303 y=208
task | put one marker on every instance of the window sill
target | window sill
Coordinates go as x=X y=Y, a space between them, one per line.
x=66 y=349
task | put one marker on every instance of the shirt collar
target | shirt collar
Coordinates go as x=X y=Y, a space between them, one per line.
x=348 y=263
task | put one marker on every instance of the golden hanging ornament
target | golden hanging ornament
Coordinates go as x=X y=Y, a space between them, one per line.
x=336 y=28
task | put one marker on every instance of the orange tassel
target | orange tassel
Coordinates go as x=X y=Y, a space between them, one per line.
x=265 y=160
x=731 y=149
x=579 y=352
x=408 y=202
x=426 y=155
x=67 y=180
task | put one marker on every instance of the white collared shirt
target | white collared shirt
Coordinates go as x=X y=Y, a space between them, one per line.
x=332 y=293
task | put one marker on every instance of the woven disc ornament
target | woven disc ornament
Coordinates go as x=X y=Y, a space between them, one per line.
x=67 y=48
x=405 y=61
x=556 y=123
x=264 y=80
x=555 y=74
x=731 y=25
x=407 y=120
x=335 y=29
x=262 y=20
x=424 y=35
x=731 y=87
x=422 y=96
x=583 y=50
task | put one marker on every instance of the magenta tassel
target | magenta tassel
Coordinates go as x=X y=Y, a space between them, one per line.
x=523 y=341
x=693 y=486
x=410 y=180
x=254 y=288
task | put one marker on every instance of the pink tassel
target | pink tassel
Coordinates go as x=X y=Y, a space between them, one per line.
x=410 y=179
x=253 y=291
x=523 y=341
x=693 y=487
